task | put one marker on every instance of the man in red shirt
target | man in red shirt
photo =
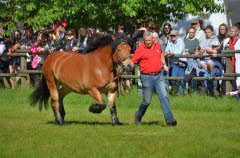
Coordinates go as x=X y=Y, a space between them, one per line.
x=151 y=59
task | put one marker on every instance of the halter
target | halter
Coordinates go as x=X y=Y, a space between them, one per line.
x=120 y=60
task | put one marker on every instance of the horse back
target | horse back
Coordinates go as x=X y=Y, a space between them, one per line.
x=79 y=72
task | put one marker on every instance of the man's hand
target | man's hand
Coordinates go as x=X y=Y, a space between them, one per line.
x=165 y=67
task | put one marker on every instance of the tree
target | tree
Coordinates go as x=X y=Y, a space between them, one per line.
x=101 y=13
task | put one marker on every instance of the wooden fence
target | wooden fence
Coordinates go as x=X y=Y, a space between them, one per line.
x=228 y=75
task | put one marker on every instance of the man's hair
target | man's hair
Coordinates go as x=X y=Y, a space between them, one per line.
x=146 y=34
x=155 y=34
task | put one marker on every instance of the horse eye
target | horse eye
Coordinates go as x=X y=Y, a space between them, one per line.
x=119 y=50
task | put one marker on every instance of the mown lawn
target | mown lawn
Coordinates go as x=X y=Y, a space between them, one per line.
x=207 y=127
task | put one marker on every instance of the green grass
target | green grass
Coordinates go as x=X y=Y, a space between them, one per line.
x=207 y=127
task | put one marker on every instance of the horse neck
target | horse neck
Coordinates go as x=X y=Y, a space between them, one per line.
x=105 y=54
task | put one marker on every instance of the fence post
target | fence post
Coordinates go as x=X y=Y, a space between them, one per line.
x=228 y=70
x=23 y=67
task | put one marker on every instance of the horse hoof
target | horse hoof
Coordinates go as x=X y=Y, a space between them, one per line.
x=118 y=124
x=59 y=122
x=96 y=108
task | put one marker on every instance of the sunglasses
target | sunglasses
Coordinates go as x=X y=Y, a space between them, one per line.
x=69 y=34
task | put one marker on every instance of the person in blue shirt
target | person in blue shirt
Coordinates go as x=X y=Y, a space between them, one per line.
x=176 y=46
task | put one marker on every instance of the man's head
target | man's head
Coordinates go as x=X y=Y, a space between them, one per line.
x=174 y=35
x=155 y=36
x=148 y=39
x=195 y=23
x=234 y=31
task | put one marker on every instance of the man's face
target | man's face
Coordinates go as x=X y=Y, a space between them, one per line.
x=148 y=40
x=174 y=37
x=155 y=38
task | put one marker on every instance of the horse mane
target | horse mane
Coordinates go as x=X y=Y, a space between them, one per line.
x=99 y=41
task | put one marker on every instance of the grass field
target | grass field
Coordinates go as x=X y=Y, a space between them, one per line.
x=207 y=128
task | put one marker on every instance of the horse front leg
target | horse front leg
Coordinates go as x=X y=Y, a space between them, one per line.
x=111 y=99
x=101 y=105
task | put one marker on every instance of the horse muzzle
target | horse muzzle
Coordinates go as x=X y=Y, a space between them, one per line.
x=128 y=65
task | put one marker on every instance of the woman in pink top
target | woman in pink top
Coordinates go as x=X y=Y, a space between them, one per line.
x=38 y=59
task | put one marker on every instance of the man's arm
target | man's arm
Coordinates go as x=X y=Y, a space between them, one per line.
x=164 y=62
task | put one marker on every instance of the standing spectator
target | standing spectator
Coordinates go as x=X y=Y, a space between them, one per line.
x=15 y=64
x=163 y=40
x=38 y=59
x=234 y=44
x=165 y=37
x=138 y=38
x=151 y=59
x=191 y=42
x=70 y=42
x=26 y=43
x=83 y=39
x=4 y=63
x=222 y=35
x=202 y=25
x=176 y=46
x=200 y=35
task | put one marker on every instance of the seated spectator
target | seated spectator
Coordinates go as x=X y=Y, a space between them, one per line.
x=234 y=94
x=193 y=70
x=209 y=47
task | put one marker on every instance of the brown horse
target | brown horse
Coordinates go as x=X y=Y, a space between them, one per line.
x=92 y=73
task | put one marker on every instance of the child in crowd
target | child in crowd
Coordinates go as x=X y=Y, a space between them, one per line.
x=193 y=69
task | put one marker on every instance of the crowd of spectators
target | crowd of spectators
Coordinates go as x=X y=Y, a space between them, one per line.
x=199 y=40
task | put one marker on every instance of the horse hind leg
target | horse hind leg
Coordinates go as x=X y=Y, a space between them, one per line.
x=101 y=105
x=62 y=93
x=55 y=104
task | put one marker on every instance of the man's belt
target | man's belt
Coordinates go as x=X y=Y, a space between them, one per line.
x=150 y=74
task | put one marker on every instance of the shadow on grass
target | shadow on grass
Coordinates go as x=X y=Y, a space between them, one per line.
x=84 y=123
x=150 y=123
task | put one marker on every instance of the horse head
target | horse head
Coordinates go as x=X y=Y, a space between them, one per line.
x=121 y=56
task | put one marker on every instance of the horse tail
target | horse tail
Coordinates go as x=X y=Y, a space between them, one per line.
x=40 y=95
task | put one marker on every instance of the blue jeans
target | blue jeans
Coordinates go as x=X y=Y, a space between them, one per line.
x=150 y=83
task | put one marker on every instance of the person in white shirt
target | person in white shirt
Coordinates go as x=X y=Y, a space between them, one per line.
x=200 y=34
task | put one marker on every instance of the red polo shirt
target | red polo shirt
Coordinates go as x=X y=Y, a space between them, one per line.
x=149 y=58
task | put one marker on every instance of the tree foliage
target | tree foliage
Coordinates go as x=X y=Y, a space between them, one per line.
x=102 y=13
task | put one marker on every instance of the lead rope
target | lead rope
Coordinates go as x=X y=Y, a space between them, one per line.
x=120 y=82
